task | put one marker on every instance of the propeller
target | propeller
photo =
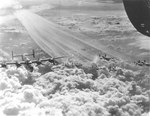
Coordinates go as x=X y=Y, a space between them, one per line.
x=39 y=62
x=3 y=65
x=18 y=64
x=53 y=60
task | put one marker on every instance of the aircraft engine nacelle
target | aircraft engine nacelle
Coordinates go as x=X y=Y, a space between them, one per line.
x=138 y=12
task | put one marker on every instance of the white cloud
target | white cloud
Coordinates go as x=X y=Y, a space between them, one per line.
x=5 y=19
x=72 y=2
x=9 y=4
x=142 y=43
x=61 y=2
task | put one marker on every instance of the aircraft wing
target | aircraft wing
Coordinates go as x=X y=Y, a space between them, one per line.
x=138 y=12
x=25 y=62
x=8 y=63
x=48 y=59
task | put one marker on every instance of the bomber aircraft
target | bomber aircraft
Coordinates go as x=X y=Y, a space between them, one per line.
x=142 y=63
x=28 y=63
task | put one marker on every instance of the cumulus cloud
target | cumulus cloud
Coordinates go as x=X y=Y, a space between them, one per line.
x=9 y=4
x=72 y=92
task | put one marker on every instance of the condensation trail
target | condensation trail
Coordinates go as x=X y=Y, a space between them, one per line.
x=54 y=40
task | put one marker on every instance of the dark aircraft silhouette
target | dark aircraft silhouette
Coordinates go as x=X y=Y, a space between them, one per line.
x=105 y=57
x=29 y=63
x=51 y=60
x=142 y=63
x=145 y=63
x=138 y=63
x=138 y=12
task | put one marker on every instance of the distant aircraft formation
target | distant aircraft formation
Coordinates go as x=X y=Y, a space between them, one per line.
x=138 y=12
x=138 y=63
x=105 y=57
x=142 y=63
x=108 y=58
x=28 y=63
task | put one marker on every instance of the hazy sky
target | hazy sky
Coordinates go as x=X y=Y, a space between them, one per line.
x=7 y=7
x=18 y=3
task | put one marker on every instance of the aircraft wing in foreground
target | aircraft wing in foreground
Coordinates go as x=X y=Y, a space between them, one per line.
x=138 y=12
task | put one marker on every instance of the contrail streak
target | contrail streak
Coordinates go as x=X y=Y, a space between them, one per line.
x=56 y=41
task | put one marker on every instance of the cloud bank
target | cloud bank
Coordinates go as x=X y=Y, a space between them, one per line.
x=9 y=4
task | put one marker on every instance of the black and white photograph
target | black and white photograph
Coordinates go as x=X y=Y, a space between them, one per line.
x=74 y=57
